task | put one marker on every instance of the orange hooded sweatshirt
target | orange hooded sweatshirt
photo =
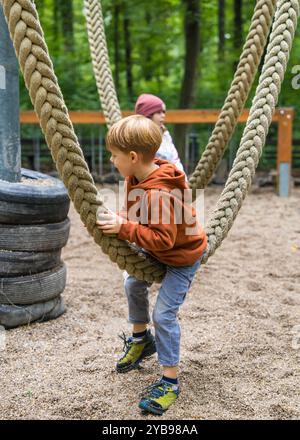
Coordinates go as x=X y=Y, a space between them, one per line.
x=158 y=218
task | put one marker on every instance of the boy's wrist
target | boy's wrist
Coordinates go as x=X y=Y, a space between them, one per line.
x=125 y=230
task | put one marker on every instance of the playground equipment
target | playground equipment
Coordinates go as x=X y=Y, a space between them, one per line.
x=234 y=103
x=283 y=117
x=47 y=99
x=33 y=216
x=10 y=147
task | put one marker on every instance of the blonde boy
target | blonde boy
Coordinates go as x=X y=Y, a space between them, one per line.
x=151 y=221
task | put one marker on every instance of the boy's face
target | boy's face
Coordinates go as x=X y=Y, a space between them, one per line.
x=125 y=163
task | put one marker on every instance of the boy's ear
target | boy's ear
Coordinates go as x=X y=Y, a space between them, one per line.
x=134 y=156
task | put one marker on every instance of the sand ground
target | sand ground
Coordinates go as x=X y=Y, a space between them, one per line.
x=240 y=331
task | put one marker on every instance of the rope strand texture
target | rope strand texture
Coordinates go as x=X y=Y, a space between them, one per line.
x=259 y=120
x=236 y=98
x=47 y=99
x=100 y=58
x=249 y=61
x=45 y=94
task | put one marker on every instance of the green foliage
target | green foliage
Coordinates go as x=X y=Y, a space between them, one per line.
x=156 y=31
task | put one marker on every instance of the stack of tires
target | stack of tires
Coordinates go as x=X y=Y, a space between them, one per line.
x=34 y=226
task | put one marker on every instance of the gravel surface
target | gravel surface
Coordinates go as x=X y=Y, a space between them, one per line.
x=240 y=331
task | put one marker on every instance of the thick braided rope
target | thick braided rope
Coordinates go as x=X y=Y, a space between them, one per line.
x=237 y=95
x=45 y=94
x=101 y=66
x=258 y=123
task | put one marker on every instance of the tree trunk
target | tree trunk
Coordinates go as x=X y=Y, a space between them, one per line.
x=221 y=30
x=192 y=49
x=148 y=51
x=237 y=32
x=128 y=57
x=67 y=14
x=56 y=23
x=116 y=44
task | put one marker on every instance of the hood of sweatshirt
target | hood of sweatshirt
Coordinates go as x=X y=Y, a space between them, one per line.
x=166 y=177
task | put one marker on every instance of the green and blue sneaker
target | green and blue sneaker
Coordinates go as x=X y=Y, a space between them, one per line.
x=159 y=397
x=135 y=352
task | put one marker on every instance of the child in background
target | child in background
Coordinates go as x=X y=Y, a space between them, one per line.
x=133 y=143
x=154 y=108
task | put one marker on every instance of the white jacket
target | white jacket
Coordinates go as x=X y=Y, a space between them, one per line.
x=167 y=151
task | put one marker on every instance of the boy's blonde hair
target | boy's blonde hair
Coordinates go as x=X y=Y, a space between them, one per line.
x=135 y=133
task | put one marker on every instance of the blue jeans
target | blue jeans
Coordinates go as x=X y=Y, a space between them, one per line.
x=171 y=295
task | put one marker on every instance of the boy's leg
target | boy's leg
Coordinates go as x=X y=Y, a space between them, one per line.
x=137 y=293
x=142 y=344
x=172 y=293
x=171 y=296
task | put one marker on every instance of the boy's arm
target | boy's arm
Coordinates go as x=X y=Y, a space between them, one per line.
x=122 y=213
x=160 y=232
x=171 y=151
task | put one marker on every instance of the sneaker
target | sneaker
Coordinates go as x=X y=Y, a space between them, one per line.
x=135 y=352
x=159 y=397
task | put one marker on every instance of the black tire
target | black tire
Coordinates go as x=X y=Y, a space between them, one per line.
x=47 y=202
x=14 y=264
x=33 y=289
x=34 y=238
x=13 y=316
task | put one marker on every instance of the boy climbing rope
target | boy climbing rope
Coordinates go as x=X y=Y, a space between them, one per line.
x=163 y=225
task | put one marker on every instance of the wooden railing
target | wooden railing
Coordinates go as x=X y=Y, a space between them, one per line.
x=282 y=116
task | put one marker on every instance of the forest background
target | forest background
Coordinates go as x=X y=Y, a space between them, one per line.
x=184 y=51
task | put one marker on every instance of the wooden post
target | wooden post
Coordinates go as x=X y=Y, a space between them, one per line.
x=284 y=151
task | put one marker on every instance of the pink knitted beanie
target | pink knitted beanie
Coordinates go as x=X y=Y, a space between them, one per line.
x=147 y=105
